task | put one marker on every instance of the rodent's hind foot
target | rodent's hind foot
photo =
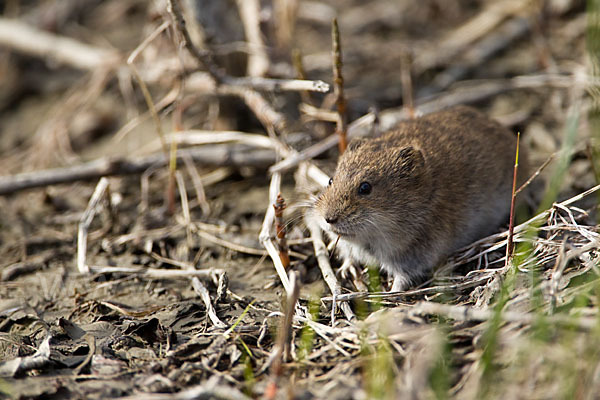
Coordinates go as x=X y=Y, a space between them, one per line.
x=400 y=284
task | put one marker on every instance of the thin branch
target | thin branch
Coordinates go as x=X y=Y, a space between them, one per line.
x=29 y=40
x=204 y=57
x=338 y=81
x=258 y=62
x=217 y=155
x=328 y=274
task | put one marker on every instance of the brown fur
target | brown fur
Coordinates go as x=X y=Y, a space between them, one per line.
x=437 y=183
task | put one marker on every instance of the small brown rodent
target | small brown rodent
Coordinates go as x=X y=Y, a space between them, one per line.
x=409 y=198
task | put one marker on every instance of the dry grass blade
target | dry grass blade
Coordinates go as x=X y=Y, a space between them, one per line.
x=84 y=224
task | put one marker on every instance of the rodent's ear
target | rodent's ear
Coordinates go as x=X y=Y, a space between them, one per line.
x=410 y=159
x=356 y=143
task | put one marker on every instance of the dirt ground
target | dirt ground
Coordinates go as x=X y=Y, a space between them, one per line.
x=175 y=296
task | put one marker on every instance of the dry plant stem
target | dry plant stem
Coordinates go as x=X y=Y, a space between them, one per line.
x=406 y=79
x=203 y=83
x=258 y=62
x=319 y=114
x=29 y=40
x=511 y=224
x=278 y=85
x=199 y=288
x=265 y=232
x=84 y=224
x=233 y=246
x=299 y=67
x=280 y=231
x=198 y=186
x=328 y=274
x=195 y=137
x=218 y=155
x=204 y=57
x=282 y=344
x=338 y=82
x=475 y=28
x=140 y=81
x=471 y=314
x=157 y=273
x=259 y=106
x=481 y=51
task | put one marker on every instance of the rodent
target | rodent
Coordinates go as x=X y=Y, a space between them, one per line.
x=409 y=198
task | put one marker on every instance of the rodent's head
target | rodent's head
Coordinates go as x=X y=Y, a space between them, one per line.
x=379 y=189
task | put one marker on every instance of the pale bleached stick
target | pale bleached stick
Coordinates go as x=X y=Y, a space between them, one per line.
x=84 y=224
x=217 y=155
x=157 y=273
x=278 y=352
x=258 y=62
x=328 y=274
x=470 y=31
x=265 y=233
x=200 y=137
x=198 y=185
x=279 y=85
x=24 y=38
x=199 y=288
x=202 y=82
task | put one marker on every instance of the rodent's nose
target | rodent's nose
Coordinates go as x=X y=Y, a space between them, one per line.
x=331 y=219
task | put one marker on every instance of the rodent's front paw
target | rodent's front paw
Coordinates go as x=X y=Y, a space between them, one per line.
x=348 y=270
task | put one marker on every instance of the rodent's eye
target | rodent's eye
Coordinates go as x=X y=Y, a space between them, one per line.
x=330 y=181
x=364 y=188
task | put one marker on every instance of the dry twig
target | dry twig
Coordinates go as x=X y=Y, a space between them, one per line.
x=84 y=224
x=338 y=80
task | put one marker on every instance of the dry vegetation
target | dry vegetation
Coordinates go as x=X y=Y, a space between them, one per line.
x=143 y=148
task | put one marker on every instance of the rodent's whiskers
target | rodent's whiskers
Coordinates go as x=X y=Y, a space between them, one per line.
x=334 y=246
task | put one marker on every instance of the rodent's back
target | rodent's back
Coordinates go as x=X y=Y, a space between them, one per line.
x=470 y=159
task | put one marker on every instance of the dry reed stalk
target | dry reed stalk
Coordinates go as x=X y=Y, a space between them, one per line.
x=281 y=349
x=204 y=57
x=84 y=224
x=258 y=62
x=29 y=40
x=338 y=80
x=218 y=155
x=280 y=231
x=265 y=233
x=407 y=86
x=511 y=224
x=323 y=260
x=199 y=288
